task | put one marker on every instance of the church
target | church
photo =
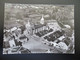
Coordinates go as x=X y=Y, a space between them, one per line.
x=30 y=30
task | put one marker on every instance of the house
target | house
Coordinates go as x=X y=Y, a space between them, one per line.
x=54 y=25
x=62 y=47
x=12 y=43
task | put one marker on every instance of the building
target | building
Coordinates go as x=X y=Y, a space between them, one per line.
x=12 y=43
x=28 y=30
x=36 y=27
x=40 y=26
x=53 y=24
x=42 y=20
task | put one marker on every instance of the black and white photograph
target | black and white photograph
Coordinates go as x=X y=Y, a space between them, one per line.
x=38 y=28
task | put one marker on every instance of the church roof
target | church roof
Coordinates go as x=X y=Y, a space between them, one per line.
x=39 y=25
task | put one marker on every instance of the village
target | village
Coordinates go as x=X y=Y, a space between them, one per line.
x=42 y=36
x=50 y=36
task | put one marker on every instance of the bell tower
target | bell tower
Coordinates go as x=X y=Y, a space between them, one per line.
x=42 y=20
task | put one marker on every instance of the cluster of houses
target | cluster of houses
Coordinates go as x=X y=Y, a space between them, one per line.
x=50 y=31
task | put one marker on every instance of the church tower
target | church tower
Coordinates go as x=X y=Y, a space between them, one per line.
x=42 y=20
x=28 y=29
x=28 y=24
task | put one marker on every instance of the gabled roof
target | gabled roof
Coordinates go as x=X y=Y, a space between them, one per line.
x=38 y=26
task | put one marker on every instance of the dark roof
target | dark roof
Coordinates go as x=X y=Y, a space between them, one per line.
x=22 y=37
x=22 y=27
x=38 y=26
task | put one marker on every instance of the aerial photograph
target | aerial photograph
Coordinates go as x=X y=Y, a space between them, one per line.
x=38 y=28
